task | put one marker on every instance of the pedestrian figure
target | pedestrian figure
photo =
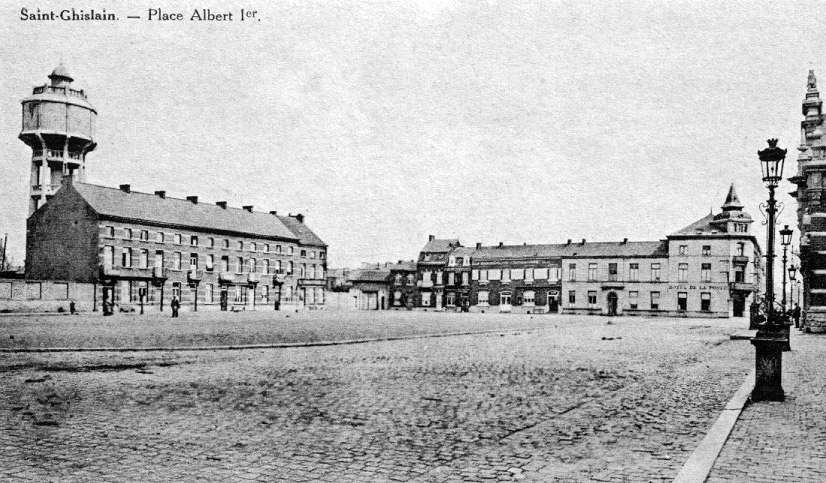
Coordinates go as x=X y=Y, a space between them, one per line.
x=175 y=306
x=72 y=307
x=796 y=316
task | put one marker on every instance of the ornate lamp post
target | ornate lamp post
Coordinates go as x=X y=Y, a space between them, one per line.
x=770 y=338
x=792 y=285
x=785 y=240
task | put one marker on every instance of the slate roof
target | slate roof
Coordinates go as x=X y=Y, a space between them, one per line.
x=407 y=266
x=440 y=245
x=152 y=209
x=576 y=249
x=703 y=225
x=300 y=230
x=369 y=275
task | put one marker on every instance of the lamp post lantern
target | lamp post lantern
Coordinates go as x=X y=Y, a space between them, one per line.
x=771 y=338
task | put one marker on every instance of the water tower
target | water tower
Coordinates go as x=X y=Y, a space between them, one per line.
x=59 y=126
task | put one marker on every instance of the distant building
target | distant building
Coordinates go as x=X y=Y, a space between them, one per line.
x=402 y=284
x=148 y=248
x=431 y=266
x=370 y=288
x=710 y=268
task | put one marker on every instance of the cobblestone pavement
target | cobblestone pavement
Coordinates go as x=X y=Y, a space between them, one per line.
x=783 y=441
x=583 y=399
x=240 y=328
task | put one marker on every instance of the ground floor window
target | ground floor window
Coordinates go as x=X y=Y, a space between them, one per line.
x=633 y=296
x=176 y=290
x=319 y=295
x=451 y=299
x=682 y=300
x=571 y=297
x=529 y=297
x=592 y=298
x=483 y=297
x=425 y=299
x=505 y=299
x=309 y=297
x=265 y=293
x=705 y=301
x=240 y=294
x=210 y=293
x=397 y=297
x=655 y=300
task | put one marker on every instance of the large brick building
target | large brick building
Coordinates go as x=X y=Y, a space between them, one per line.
x=811 y=207
x=145 y=249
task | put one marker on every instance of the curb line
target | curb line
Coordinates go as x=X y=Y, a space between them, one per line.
x=699 y=464
x=283 y=345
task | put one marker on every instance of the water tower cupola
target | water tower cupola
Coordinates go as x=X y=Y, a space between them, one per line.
x=59 y=126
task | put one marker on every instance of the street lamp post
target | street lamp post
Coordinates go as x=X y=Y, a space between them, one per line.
x=770 y=338
x=785 y=240
x=792 y=284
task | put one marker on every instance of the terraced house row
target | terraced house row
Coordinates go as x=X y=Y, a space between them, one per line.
x=710 y=268
x=145 y=249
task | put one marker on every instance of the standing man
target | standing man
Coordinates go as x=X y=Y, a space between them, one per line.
x=796 y=316
x=175 y=305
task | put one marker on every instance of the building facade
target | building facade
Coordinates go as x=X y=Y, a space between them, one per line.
x=810 y=179
x=143 y=250
x=430 y=269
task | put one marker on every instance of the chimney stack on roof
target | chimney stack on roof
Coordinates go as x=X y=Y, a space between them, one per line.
x=569 y=241
x=624 y=241
x=478 y=245
x=222 y=204
x=193 y=199
x=583 y=241
x=247 y=208
x=274 y=213
x=160 y=194
x=125 y=188
x=431 y=237
x=300 y=218
x=501 y=244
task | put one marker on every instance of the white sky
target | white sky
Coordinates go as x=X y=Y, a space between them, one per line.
x=385 y=122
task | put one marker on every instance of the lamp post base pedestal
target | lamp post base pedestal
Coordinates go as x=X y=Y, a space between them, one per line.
x=768 y=367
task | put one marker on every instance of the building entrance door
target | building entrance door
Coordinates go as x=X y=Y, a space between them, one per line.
x=224 y=297
x=739 y=306
x=612 y=303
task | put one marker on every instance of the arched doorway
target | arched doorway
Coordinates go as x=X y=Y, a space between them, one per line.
x=612 y=303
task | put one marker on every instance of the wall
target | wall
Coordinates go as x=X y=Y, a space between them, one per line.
x=45 y=296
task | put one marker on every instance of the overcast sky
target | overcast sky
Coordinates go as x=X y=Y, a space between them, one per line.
x=385 y=122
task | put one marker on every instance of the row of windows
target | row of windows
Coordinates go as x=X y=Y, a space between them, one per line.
x=241 y=265
x=178 y=239
x=654 y=300
x=131 y=291
x=634 y=272
x=528 y=298
x=706 y=249
x=527 y=274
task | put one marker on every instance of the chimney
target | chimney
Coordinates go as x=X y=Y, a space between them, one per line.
x=431 y=237
x=524 y=244
x=193 y=199
x=222 y=204
x=160 y=194
x=125 y=188
x=478 y=245
x=501 y=244
x=300 y=218
x=624 y=241
x=274 y=213
x=569 y=241
x=583 y=241
x=247 y=208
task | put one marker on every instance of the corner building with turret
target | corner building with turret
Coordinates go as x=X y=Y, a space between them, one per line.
x=810 y=179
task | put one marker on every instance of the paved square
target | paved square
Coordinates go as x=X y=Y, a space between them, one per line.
x=575 y=398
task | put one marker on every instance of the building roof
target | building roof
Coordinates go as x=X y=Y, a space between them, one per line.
x=463 y=252
x=440 y=245
x=712 y=224
x=61 y=71
x=152 y=209
x=576 y=249
x=404 y=266
x=300 y=230
x=369 y=275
